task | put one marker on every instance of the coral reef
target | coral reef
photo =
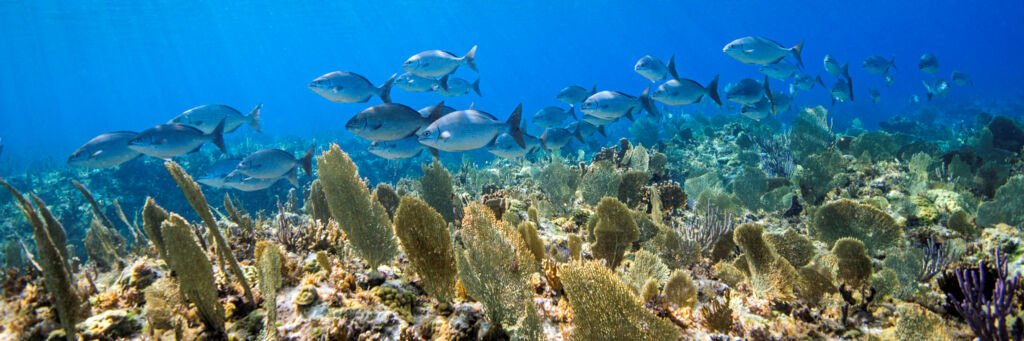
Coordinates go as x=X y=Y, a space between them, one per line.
x=615 y=231
x=593 y=291
x=425 y=240
x=845 y=218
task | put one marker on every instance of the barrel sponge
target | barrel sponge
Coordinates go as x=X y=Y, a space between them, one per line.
x=769 y=273
x=436 y=190
x=424 y=236
x=853 y=264
x=605 y=309
x=845 y=218
x=363 y=219
x=1006 y=207
x=615 y=231
x=195 y=273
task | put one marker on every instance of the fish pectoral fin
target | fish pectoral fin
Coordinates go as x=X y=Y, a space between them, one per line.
x=97 y=153
x=748 y=51
x=377 y=126
x=338 y=88
x=445 y=135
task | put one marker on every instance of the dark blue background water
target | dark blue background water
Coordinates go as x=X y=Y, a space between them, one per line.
x=74 y=69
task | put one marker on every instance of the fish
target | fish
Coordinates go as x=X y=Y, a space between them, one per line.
x=928 y=63
x=878 y=65
x=876 y=96
x=610 y=105
x=586 y=129
x=598 y=121
x=390 y=121
x=781 y=102
x=218 y=173
x=398 y=149
x=205 y=118
x=445 y=110
x=505 y=146
x=436 y=63
x=889 y=79
x=761 y=51
x=556 y=138
x=455 y=87
x=105 y=151
x=552 y=116
x=469 y=129
x=169 y=140
x=961 y=78
x=936 y=87
x=804 y=82
x=413 y=83
x=250 y=184
x=746 y=91
x=653 y=68
x=833 y=67
x=350 y=87
x=575 y=94
x=274 y=163
x=685 y=91
x=781 y=70
x=757 y=111
x=841 y=91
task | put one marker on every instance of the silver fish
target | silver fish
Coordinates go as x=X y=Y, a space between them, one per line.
x=389 y=121
x=445 y=110
x=455 y=87
x=653 y=69
x=936 y=87
x=350 y=87
x=781 y=70
x=929 y=64
x=586 y=129
x=206 y=117
x=398 y=149
x=552 y=116
x=757 y=111
x=961 y=78
x=574 y=94
x=804 y=82
x=761 y=51
x=782 y=102
x=274 y=163
x=413 y=83
x=876 y=96
x=841 y=91
x=169 y=140
x=556 y=138
x=685 y=91
x=746 y=91
x=833 y=67
x=610 y=105
x=249 y=184
x=469 y=129
x=505 y=146
x=218 y=173
x=598 y=121
x=878 y=65
x=107 y=150
x=436 y=63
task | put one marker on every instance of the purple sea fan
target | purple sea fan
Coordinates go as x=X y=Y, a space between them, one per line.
x=987 y=315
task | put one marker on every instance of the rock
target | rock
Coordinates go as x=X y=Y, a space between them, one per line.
x=110 y=325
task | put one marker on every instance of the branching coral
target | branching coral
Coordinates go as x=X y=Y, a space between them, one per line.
x=605 y=309
x=424 y=237
x=645 y=266
x=989 y=315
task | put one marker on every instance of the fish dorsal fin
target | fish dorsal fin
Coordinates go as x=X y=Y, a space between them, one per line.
x=672 y=67
x=436 y=113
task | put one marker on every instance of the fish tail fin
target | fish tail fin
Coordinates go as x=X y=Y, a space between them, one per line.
x=818 y=78
x=385 y=90
x=600 y=129
x=796 y=54
x=768 y=92
x=436 y=113
x=469 y=59
x=645 y=100
x=577 y=134
x=513 y=124
x=476 y=87
x=593 y=90
x=572 y=112
x=713 y=90
x=307 y=161
x=672 y=67
x=293 y=178
x=443 y=82
x=218 y=136
x=254 y=118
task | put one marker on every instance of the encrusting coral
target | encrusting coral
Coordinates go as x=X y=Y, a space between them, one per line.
x=424 y=238
x=605 y=309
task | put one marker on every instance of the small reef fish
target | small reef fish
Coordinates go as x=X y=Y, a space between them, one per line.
x=876 y=96
x=469 y=129
x=610 y=105
x=928 y=63
x=761 y=51
x=104 y=151
x=574 y=94
x=169 y=140
x=781 y=70
x=398 y=149
x=350 y=87
x=206 y=117
x=274 y=163
x=413 y=83
x=436 y=63
x=218 y=173
x=556 y=138
x=455 y=87
x=249 y=184
x=552 y=117
x=936 y=87
x=961 y=78
x=505 y=146
x=685 y=91
x=586 y=129
x=878 y=65
x=390 y=121
x=653 y=68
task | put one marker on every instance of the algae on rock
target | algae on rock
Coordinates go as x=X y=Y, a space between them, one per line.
x=363 y=219
x=424 y=236
x=605 y=309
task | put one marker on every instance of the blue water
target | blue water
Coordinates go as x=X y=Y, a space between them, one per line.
x=74 y=69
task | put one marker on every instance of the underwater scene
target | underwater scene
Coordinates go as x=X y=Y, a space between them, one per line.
x=499 y=170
